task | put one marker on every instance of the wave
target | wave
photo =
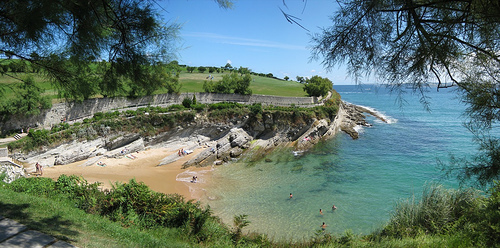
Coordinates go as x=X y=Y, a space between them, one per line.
x=359 y=129
x=187 y=176
x=388 y=119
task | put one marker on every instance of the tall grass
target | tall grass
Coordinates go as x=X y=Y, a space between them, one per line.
x=435 y=213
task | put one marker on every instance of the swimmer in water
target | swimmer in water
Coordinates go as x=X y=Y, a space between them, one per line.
x=320 y=211
x=323 y=227
x=291 y=196
x=333 y=207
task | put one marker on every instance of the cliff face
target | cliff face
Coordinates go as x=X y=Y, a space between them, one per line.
x=220 y=141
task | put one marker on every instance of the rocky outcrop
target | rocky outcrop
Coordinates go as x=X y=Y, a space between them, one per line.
x=221 y=141
x=11 y=170
x=354 y=116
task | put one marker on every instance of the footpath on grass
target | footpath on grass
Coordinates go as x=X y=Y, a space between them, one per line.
x=14 y=234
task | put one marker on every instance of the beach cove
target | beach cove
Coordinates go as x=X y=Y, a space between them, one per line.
x=168 y=179
x=364 y=178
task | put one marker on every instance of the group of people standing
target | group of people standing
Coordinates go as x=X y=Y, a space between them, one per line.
x=323 y=226
x=181 y=152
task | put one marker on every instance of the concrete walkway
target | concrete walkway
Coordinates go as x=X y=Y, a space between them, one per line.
x=14 y=234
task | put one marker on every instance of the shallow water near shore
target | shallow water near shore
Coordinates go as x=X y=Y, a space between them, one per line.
x=364 y=178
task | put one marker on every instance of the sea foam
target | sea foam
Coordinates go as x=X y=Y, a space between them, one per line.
x=389 y=119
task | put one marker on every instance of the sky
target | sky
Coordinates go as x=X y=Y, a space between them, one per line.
x=253 y=34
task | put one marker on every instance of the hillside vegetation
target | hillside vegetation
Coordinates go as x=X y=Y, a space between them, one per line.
x=189 y=81
x=132 y=215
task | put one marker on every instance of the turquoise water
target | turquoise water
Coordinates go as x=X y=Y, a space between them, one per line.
x=364 y=178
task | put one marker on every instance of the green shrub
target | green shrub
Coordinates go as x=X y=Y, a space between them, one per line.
x=59 y=127
x=98 y=116
x=198 y=107
x=256 y=108
x=175 y=107
x=435 y=213
x=86 y=196
x=130 y=113
x=40 y=186
x=187 y=102
x=225 y=105
x=39 y=137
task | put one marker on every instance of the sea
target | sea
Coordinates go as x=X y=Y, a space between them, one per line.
x=364 y=178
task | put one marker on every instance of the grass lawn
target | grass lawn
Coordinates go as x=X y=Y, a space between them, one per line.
x=191 y=82
x=41 y=81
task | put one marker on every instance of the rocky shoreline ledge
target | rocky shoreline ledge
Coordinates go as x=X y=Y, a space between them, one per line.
x=220 y=142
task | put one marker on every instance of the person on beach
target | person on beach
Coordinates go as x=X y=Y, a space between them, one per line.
x=37 y=168
x=323 y=227
x=41 y=169
x=291 y=196
x=333 y=207
x=320 y=211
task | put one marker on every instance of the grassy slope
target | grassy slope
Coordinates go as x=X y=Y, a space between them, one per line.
x=191 y=82
x=65 y=222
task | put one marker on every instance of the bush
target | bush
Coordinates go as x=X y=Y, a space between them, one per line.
x=40 y=186
x=98 y=116
x=59 y=127
x=198 y=107
x=435 y=213
x=187 y=102
x=175 y=107
x=39 y=137
x=225 y=105
x=256 y=108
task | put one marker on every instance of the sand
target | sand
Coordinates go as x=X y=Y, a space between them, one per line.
x=169 y=179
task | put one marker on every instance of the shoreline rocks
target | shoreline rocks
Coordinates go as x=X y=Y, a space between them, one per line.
x=221 y=142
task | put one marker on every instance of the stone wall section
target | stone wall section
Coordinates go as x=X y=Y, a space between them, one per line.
x=74 y=111
x=4 y=152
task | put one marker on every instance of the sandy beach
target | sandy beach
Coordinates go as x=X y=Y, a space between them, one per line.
x=142 y=166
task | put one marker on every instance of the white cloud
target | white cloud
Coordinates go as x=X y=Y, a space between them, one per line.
x=244 y=41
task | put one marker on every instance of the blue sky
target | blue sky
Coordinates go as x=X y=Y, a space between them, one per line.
x=253 y=34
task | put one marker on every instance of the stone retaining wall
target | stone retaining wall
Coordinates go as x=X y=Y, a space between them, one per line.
x=74 y=111
x=4 y=152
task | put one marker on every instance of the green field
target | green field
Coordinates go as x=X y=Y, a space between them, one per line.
x=190 y=82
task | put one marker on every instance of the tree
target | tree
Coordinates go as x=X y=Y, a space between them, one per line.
x=69 y=36
x=190 y=69
x=230 y=83
x=412 y=43
x=318 y=86
x=301 y=79
x=243 y=70
x=29 y=99
x=286 y=78
x=242 y=85
x=202 y=69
